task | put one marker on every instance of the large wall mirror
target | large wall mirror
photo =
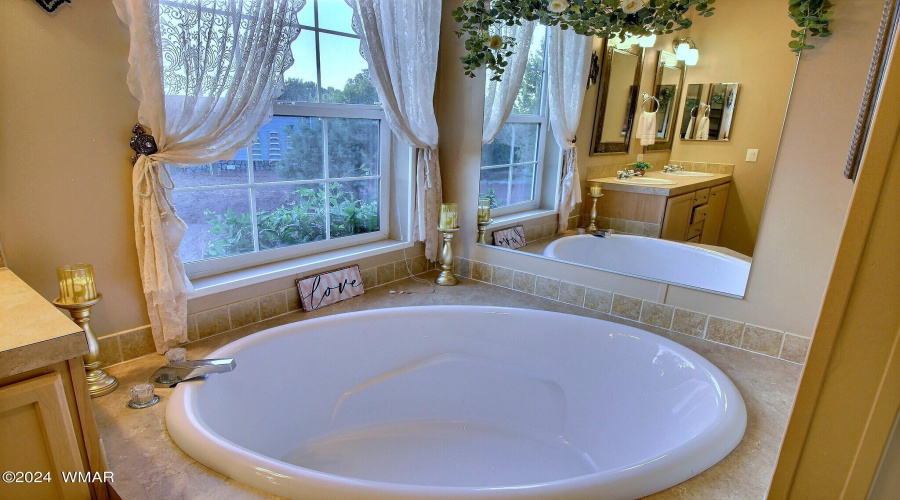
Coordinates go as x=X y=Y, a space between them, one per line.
x=681 y=200
x=709 y=111
x=620 y=79
x=667 y=88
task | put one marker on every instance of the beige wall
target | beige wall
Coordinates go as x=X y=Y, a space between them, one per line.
x=65 y=173
x=807 y=201
x=65 y=170
x=754 y=55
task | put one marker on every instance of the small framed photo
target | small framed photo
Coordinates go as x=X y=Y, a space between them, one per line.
x=324 y=289
x=511 y=237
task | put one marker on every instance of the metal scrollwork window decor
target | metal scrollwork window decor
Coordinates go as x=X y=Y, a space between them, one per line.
x=142 y=143
x=51 y=5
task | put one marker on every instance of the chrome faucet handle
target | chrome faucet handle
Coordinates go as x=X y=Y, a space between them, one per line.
x=175 y=373
x=621 y=174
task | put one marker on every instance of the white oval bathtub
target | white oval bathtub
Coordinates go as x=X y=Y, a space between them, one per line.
x=685 y=264
x=447 y=402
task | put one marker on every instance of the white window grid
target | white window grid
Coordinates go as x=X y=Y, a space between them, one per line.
x=542 y=120
x=208 y=267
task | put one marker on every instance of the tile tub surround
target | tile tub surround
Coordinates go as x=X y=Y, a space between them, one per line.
x=137 y=342
x=147 y=464
x=760 y=340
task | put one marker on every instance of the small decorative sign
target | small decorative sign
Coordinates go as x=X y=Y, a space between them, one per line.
x=329 y=288
x=511 y=237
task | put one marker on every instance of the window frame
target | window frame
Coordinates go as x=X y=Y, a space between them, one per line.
x=543 y=121
x=218 y=265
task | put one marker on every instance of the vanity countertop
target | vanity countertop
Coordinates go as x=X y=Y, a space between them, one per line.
x=148 y=464
x=33 y=332
x=681 y=184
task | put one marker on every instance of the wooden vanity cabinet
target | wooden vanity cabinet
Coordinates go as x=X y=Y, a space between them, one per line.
x=47 y=422
x=677 y=217
x=714 y=213
x=695 y=217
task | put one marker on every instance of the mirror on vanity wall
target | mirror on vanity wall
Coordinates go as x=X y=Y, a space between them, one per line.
x=692 y=217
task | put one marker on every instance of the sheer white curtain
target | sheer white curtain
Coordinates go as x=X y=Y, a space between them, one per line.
x=568 y=59
x=500 y=96
x=399 y=41
x=205 y=74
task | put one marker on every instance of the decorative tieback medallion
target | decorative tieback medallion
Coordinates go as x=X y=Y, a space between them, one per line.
x=142 y=143
x=51 y=5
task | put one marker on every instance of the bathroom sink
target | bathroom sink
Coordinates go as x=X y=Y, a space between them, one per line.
x=688 y=173
x=646 y=181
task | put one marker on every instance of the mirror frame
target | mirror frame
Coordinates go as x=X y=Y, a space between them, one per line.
x=666 y=145
x=598 y=147
x=708 y=95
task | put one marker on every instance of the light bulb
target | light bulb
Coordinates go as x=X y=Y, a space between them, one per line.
x=647 y=41
x=693 y=55
x=681 y=51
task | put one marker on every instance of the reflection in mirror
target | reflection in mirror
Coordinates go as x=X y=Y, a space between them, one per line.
x=684 y=209
x=620 y=78
x=709 y=111
x=510 y=168
x=667 y=89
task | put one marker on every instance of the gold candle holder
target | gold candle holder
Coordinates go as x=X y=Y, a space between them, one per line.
x=484 y=216
x=596 y=195
x=482 y=227
x=446 y=277
x=99 y=382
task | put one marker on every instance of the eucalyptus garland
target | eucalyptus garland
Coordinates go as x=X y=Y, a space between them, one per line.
x=602 y=18
x=813 y=17
x=479 y=21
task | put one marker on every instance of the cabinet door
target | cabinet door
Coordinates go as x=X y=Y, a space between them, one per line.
x=678 y=217
x=38 y=436
x=714 y=213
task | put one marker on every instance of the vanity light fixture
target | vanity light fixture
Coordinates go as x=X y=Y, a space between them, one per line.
x=686 y=50
x=647 y=41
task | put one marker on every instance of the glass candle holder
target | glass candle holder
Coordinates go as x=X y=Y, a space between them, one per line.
x=449 y=216
x=484 y=209
x=76 y=283
x=595 y=190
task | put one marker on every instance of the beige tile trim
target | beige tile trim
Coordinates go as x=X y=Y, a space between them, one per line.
x=760 y=340
x=136 y=342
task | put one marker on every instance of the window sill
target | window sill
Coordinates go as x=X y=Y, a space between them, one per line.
x=231 y=280
x=520 y=217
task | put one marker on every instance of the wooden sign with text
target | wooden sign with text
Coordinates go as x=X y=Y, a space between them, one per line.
x=512 y=237
x=329 y=288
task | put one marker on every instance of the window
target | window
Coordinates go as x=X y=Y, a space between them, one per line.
x=511 y=165
x=315 y=177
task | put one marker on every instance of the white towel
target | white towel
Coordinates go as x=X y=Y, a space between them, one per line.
x=703 y=128
x=688 y=134
x=646 y=128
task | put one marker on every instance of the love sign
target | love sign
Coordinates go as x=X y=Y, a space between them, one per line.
x=329 y=288
x=513 y=237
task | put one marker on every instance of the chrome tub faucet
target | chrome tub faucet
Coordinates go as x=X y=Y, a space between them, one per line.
x=175 y=373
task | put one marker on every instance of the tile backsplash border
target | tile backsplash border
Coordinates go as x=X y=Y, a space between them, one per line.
x=130 y=344
x=788 y=347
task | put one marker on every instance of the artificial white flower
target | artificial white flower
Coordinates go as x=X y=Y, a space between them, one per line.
x=557 y=6
x=632 y=6
x=495 y=42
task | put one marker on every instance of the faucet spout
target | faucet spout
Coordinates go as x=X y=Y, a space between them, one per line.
x=175 y=373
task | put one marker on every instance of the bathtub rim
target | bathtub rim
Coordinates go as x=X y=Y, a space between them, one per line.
x=207 y=447
x=553 y=244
